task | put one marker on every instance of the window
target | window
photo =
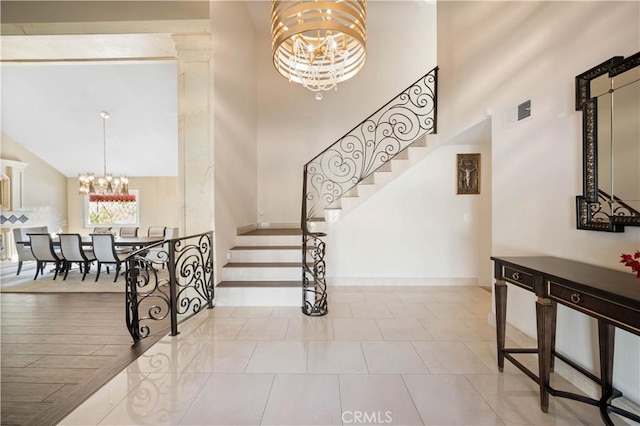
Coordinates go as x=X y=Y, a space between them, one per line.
x=111 y=209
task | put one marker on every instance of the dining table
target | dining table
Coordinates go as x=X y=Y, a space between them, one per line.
x=127 y=241
x=118 y=241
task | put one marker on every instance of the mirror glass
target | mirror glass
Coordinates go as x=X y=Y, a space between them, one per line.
x=618 y=136
x=609 y=96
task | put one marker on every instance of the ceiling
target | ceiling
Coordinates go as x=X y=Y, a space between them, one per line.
x=53 y=108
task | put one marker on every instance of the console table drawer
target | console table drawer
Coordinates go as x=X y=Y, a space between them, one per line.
x=596 y=306
x=518 y=277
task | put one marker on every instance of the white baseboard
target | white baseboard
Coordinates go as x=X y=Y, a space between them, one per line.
x=398 y=282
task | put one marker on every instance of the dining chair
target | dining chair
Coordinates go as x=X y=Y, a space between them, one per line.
x=160 y=254
x=102 y=230
x=23 y=251
x=156 y=231
x=43 y=251
x=129 y=231
x=104 y=250
x=71 y=248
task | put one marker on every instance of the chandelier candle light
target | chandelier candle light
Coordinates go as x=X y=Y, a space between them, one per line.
x=319 y=43
x=105 y=184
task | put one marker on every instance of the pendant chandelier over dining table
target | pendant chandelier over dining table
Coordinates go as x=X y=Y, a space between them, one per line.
x=318 y=43
x=105 y=184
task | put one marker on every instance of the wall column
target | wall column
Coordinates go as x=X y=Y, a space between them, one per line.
x=195 y=132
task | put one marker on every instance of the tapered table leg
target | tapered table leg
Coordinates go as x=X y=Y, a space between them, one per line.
x=554 y=317
x=501 y=320
x=545 y=325
x=606 y=339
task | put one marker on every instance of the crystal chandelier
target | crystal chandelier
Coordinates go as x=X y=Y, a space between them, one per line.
x=318 y=43
x=105 y=184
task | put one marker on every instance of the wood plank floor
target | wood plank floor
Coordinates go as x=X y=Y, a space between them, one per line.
x=57 y=349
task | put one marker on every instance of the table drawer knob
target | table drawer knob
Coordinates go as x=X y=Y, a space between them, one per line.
x=576 y=298
x=515 y=276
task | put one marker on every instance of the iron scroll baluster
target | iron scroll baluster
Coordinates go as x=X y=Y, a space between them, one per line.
x=354 y=157
x=314 y=286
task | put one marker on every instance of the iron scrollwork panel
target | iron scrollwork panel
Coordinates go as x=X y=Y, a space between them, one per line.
x=175 y=283
x=193 y=274
x=314 y=285
x=147 y=298
x=372 y=143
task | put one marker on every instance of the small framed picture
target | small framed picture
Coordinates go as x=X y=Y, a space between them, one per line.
x=468 y=173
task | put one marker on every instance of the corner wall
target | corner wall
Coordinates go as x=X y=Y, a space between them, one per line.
x=534 y=50
x=235 y=145
x=45 y=188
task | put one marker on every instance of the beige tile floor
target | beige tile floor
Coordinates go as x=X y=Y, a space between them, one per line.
x=393 y=355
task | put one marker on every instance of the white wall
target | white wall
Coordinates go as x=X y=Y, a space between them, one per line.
x=534 y=50
x=235 y=165
x=44 y=190
x=293 y=127
x=417 y=230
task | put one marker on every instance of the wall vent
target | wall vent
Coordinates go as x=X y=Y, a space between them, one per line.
x=524 y=110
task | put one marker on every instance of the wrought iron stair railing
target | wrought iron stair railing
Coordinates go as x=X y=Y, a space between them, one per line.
x=354 y=157
x=169 y=287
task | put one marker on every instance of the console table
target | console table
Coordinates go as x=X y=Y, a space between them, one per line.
x=612 y=297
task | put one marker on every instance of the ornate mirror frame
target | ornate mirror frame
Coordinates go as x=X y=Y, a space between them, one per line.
x=590 y=214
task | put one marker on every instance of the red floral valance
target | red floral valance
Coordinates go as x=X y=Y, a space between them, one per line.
x=112 y=197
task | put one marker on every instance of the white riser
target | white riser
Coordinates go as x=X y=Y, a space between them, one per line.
x=262 y=274
x=252 y=296
x=268 y=240
x=262 y=255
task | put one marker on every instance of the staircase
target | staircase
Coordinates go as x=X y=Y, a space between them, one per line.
x=353 y=162
x=268 y=266
x=265 y=264
x=264 y=269
x=386 y=174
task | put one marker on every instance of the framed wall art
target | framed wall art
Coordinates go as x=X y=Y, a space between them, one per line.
x=468 y=181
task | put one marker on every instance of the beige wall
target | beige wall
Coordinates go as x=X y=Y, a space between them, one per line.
x=44 y=191
x=158 y=203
